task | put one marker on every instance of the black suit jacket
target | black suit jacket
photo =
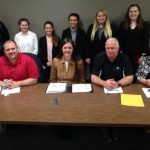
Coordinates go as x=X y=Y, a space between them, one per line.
x=43 y=50
x=80 y=42
x=4 y=36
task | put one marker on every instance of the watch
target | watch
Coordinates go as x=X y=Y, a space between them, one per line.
x=118 y=83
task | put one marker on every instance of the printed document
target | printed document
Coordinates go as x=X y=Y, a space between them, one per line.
x=81 y=88
x=146 y=92
x=113 y=91
x=56 y=88
x=11 y=91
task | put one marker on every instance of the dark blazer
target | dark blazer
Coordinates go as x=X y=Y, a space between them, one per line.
x=43 y=50
x=80 y=42
x=4 y=36
x=97 y=45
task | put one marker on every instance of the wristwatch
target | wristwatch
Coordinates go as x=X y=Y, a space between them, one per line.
x=143 y=54
x=118 y=84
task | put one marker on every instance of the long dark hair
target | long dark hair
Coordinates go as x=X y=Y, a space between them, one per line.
x=63 y=42
x=55 y=38
x=127 y=21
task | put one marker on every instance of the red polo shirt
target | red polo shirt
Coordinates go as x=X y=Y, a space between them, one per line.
x=25 y=67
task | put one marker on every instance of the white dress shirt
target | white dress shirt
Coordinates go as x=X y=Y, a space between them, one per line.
x=27 y=43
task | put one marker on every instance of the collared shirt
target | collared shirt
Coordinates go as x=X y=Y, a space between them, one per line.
x=116 y=70
x=144 y=68
x=73 y=34
x=75 y=72
x=27 y=43
x=24 y=68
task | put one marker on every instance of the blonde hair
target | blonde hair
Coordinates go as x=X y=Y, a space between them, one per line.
x=107 y=26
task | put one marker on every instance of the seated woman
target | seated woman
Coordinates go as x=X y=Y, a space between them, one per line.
x=143 y=71
x=65 y=67
x=143 y=76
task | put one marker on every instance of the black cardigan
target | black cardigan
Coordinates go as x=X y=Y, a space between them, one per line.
x=134 y=41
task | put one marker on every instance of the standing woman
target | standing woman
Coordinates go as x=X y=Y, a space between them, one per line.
x=26 y=40
x=98 y=33
x=134 y=35
x=77 y=35
x=48 y=49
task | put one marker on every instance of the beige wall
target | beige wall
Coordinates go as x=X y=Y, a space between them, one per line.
x=38 y=11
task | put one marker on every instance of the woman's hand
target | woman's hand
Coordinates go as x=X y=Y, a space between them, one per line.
x=49 y=63
x=88 y=60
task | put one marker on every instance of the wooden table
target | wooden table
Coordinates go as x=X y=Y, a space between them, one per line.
x=33 y=106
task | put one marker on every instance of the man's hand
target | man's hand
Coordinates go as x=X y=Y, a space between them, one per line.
x=13 y=84
x=110 y=84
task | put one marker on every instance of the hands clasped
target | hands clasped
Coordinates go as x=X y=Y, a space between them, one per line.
x=10 y=83
x=110 y=84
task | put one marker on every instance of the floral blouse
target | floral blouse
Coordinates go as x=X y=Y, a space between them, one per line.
x=143 y=70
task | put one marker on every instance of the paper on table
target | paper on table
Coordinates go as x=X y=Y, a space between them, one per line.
x=81 y=88
x=56 y=88
x=132 y=100
x=113 y=91
x=146 y=92
x=12 y=91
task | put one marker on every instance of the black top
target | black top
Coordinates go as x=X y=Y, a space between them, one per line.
x=134 y=41
x=4 y=36
x=80 y=42
x=42 y=54
x=107 y=70
x=97 y=45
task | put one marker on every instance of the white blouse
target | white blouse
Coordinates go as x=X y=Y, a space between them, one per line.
x=27 y=43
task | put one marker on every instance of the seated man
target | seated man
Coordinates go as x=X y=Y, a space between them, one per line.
x=15 y=68
x=110 y=70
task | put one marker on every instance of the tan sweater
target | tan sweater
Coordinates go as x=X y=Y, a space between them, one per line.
x=74 y=74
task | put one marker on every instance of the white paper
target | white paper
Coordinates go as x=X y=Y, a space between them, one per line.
x=56 y=88
x=79 y=88
x=10 y=91
x=146 y=92
x=113 y=91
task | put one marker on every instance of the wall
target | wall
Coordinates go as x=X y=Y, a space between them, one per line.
x=38 y=11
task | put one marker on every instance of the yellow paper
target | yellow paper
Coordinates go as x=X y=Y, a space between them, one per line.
x=132 y=100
